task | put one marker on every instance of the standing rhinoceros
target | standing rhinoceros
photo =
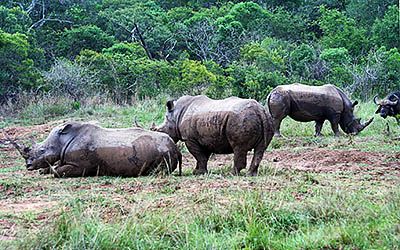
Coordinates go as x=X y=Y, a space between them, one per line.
x=207 y=126
x=84 y=149
x=305 y=103
x=390 y=106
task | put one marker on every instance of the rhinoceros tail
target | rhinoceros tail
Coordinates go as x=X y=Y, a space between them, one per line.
x=266 y=124
x=267 y=107
x=179 y=163
x=268 y=127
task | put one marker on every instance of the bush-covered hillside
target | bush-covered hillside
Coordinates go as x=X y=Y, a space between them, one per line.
x=124 y=50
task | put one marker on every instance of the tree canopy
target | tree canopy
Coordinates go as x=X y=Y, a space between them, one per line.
x=141 y=48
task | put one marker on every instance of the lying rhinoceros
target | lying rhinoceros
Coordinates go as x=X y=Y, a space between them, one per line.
x=84 y=149
x=314 y=103
x=207 y=126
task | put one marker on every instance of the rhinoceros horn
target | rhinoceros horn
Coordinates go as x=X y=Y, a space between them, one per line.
x=23 y=150
x=363 y=126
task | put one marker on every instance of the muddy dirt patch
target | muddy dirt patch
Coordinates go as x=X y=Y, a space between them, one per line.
x=324 y=160
x=25 y=206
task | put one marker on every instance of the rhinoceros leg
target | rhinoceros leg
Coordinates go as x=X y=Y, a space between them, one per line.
x=239 y=160
x=257 y=157
x=277 y=127
x=69 y=171
x=200 y=155
x=335 y=125
x=318 y=127
x=44 y=171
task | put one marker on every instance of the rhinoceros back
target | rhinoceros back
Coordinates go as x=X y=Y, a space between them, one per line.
x=305 y=103
x=221 y=125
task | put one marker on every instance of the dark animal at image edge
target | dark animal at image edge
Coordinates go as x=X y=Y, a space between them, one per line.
x=389 y=106
x=305 y=103
x=82 y=149
x=207 y=126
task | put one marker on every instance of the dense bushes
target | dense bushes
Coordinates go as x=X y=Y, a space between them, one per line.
x=130 y=49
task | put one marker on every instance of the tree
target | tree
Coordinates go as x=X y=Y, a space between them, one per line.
x=139 y=21
x=338 y=61
x=301 y=62
x=17 y=71
x=194 y=78
x=365 y=12
x=85 y=37
x=386 y=31
x=341 y=31
x=14 y=20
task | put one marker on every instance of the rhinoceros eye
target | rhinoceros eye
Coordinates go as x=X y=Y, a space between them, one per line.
x=42 y=151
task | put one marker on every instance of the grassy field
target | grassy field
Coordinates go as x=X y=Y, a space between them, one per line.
x=311 y=193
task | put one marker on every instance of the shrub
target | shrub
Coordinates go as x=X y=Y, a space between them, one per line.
x=70 y=79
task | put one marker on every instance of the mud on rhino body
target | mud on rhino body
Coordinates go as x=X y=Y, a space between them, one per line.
x=314 y=103
x=82 y=149
x=207 y=126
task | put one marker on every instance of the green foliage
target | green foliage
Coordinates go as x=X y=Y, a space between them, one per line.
x=365 y=12
x=125 y=73
x=301 y=59
x=260 y=69
x=14 y=20
x=16 y=67
x=386 y=31
x=338 y=60
x=127 y=20
x=389 y=63
x=137 y=49
x=287 y=26
x=194 y=78
x=85 y=37
x=341 y=31
x=130 y=50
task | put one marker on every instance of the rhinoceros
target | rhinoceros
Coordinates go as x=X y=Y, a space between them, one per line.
x=390 y=106
x=207 y=126
x=305 y=103
x=84 y=149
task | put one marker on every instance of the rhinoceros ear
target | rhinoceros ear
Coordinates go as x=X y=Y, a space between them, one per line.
x=66 y=129
x=355 y=103
x=170 y=105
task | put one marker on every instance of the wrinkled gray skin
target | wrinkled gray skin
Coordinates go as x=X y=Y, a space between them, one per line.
x=207 y=126
x=305 y=103
x=390 y=106
x=82 y=149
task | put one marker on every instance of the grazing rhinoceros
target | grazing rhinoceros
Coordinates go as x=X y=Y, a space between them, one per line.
x=84 y=149
x=305 y=103
x=207 y=126
x=390 y=106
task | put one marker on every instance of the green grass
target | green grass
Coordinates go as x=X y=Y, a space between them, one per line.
x=253 y=220
x=280 y=209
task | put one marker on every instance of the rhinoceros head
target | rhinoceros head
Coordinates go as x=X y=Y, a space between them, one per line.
x=48 y=152
x=170 y=125
x=350 y=124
